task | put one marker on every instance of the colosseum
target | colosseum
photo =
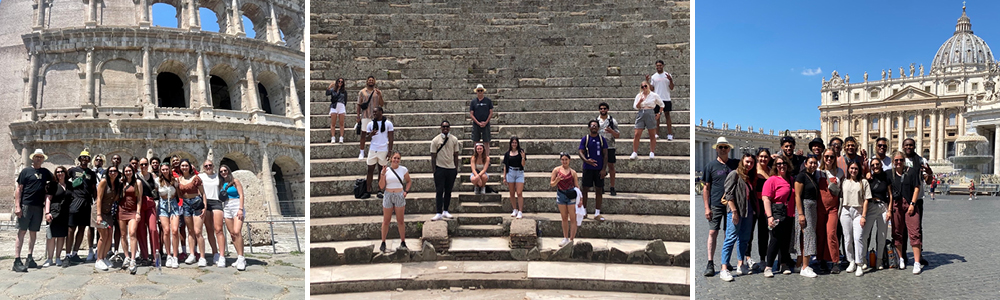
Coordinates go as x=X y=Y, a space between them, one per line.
x=100 y=75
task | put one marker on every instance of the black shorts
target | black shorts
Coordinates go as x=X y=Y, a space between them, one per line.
x=215 y=205
x=611 y=156
x=718 y=214
x=79 y=219
x=31 y=218
x=592 y=178
x=668 y=106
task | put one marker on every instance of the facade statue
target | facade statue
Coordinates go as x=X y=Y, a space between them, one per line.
x=890 y=73
x=866 y=76
x=847 y=78
x=901 y=73
x=921 y=70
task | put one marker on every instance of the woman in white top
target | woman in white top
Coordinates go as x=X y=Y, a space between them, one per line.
x=645 y=102
x=395 y=197
x=213 y=219
x=856 y=193
x=169 y=213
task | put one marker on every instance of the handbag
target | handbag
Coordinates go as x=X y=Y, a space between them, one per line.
x=834 y=188
x=570 y=194
x=779 y=211
x=365 y=105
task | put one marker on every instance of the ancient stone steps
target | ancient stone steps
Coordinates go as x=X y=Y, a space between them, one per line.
x=424 y=182
x=534 y=163
x=479 y=231
x=499 y=132
x=679 y=146
x=320 y=104
x=506 y=118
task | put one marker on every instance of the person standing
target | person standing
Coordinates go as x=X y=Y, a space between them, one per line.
x=338 y=108
x=192 y=194
x=645 y=118
x=830 y=191
x=608 y=129
x=82 y=188
x=213 y=217
x=856 y=193
x=875 y=210
x=593 y=151
x=739 y=203
x=788 y=150
x=369 y=98
x=916 y=161
x=444 y=157
x=148 y=233
x=816 y=148
x=662 y=83
x=564 y=179
x=30 y=200
x=481 y=112
x=807 y=193
x=851 y=154
x=108 y=192
x=907 y=217
x=715 y=173
x=513 y=175
x=381 y=131
x=232 y=189
x=168 y=209
x=881 y=147
x=57 y=216
x=779 y=206
x=762 y=173
x=128 y=216
x=396 y=179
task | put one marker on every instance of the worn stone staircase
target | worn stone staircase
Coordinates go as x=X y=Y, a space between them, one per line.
x=546 y=65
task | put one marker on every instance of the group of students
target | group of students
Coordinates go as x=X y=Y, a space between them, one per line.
x=809 y=204
x=161 y=209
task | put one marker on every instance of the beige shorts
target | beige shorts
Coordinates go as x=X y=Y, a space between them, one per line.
x=378 y=157
x=364 y=124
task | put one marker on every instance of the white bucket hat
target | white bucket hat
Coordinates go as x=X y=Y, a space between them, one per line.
x=721 y=141
x=39 y=152
x=479 y=86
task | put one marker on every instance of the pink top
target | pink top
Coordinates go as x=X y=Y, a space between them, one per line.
x=780 y=191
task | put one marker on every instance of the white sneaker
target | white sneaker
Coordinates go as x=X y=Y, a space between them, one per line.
x=564 y=242
x=202 y=262
x=917 y=268
x=851 y=267
x=768 y=273
x=362 y=155
x=190 y=259
x=657 y=136
x=241 y=263
x=341 y=140
x=752 y=266
x=513 y=214
x=519 y=214
x=221 y=261
x=902 y=263
x=446 y=215
x=725 y=276
x=174 y=262
x=634 y=155
x=436 y=217
x=670 y=137
x=651 y=155
x=126 y=263
x=100 y=266
x=48 y=262
x=808 y=272
x=860 y=272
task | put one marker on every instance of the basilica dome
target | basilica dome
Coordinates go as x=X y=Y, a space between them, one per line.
x=964 y=51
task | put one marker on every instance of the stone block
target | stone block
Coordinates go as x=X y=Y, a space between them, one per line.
x=358 y=255
x=600 y=255
x=395 y=74
x=530 y=82
x=519 y=254
x=436 y=233
x=682 y=259
x=534 y=254
x=617 y=256
x=523 y=234
x=427 y=252
x=401 y=255
x=324 y=256
x=638 y=257
x=563 y=254
x=381 y=258
x=559 y=82
x=657 y=252
x=583 y=251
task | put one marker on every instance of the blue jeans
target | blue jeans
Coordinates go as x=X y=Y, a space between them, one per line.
x=737 y=234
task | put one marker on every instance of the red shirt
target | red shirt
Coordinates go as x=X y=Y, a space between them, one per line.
x=779 y=191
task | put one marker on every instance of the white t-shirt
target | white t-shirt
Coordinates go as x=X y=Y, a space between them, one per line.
x=652 y=100
x=211 y=185
x=661 y=85
x=391 y=182
x=380 y=140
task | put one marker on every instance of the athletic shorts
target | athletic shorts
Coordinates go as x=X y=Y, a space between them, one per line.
x=611 y=156
x=645 y=119
x=378 y=157
x=364 y=124
x=592 y=178
x=214 y=204
x=390 y=200
x=338 y=109
x=718 y=213
x=31 y=218
x=481 y=134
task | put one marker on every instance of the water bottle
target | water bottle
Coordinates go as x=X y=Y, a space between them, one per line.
x=769 y=227
x=157 y=258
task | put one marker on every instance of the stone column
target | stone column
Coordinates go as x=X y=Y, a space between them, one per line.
x=934 y=135
x=292 y=109
x=267 y=183
x=996 y=149
x=89 y=77
x=236 y=26
x=251 y=101
x=194 y=21
x=273 y=36
x=147 y=78
x=942 y=145
x=902 y=130
x=960 y=121
x=920 y=132
x=39 y=7
x=864 y=132
x=31 y=99
x=204 y=92
x=144 y=21
x=91 y=14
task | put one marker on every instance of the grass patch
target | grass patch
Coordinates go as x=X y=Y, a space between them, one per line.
x=283 y=263
x=297 y=253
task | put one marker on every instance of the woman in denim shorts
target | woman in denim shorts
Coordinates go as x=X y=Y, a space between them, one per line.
x=169 y=211
x=396 y=178
x=193 y=208
x=513 y=175
x=565 y=180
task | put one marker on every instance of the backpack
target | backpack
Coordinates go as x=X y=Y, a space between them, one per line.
x=359 y=189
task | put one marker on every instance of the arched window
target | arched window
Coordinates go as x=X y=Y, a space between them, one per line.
x=875 y=123
x=165 y=15
x=209 y=20
x=951 y=119
x=265 y=102
x=836 y=126
x=220 y=93
x=169 y=90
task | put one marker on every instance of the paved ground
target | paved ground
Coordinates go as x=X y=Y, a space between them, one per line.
x=959 y=236
x=268 y=276
x=495 y=295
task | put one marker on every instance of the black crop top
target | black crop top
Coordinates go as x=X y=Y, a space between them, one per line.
x=513 y=161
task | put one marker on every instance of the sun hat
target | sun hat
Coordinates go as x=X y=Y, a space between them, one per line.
x=721 y=141
x=479 y=87
x=39 y=152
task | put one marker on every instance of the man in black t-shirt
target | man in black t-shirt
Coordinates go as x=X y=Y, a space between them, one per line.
x=714 y=174
x=82 y=188
x=30 y=201
x=481 y=111
x=788 y=149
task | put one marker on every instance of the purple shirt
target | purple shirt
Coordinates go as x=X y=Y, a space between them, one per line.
x=592 y=147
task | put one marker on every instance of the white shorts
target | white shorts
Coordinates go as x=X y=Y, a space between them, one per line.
x=378 y=157
x=232 y=206
x=338 y=109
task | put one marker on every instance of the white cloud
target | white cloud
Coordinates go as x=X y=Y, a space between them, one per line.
x=811 y=72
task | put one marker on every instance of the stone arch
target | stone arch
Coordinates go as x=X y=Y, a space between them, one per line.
x=217 y=7
x=118 y=84
x=166 y=5
x=291 y=29
x=289 y=181
x=172 y=85
x=58 y=159
x=117 y=13
x=256 y=13
x=66 y=81
x=225 y=88
x=126 y=154
x=66 y=13
x=241 y=161
x=195 y=161
x=271 y=93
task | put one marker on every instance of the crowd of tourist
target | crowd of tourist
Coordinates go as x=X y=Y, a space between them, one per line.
x=142 y=213
x=816 y=206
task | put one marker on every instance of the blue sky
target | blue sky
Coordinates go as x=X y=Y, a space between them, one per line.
x=760 y=63
x=165 y=15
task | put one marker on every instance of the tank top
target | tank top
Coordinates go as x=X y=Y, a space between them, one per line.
x=479 y=167
x=110 y=198
x=130 y=202
x=166 y=191
x=191 y=188
x=148 y=185
x=231 y=191
x=391 y=182
x=513 y=161
x=565 y=181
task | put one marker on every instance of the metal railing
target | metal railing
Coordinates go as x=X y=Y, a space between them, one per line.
x=270 y=225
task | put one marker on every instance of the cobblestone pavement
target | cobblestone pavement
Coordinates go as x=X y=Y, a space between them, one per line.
x=268 y=276
x=958 y=240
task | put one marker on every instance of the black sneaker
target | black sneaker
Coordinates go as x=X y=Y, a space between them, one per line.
x=402 y=245
x=366 y=196
x=613 y=192
x=491 y=190
x=835 y=269
x=380 y=195
x=382 y=248
x=31 y=263
x=19 y=267
x=710 y=269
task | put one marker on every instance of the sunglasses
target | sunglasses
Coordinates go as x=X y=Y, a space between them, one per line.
x=881 y=145
x=143 y=165
x=60 y=172
x=603 y=108
x=898 y=160
x=723 y=147
x=645 y=86
x=909 y=145
x=829 y=156
x=446 y=126
x=209 y=166
x=780 y=164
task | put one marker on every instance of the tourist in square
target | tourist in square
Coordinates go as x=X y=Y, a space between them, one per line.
x=214 y=227
x=739 y=203
x=396 y=185
x=444 y=157
x=148 y=233
x=593 y=151
x=662 y=83
x=83 y=189
x=807 y=189
x=108 y=193
x=715 y=173
x=169 y=212
x=30 y=200
x=779 y=206
x=907 y=217
x=192 y=194
x=232 y=192
x=481 y=112
x=788 y=150
x=851 y=154
x=856 y=192
x=338 y=108
x=116 y=161
x=57 y=215
x=128 y=215
x=830 y=179
x=381 y=131
x=972 y=190
x=480 y=162
x=369 y=98
x=645 y=118
x=608 y=129
x=916 y=161
x=881 y=149
x=761 y=173
x=816 y=148
x=875 y=210
x=513 y=175
x=98 y=165
x=564 y=179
